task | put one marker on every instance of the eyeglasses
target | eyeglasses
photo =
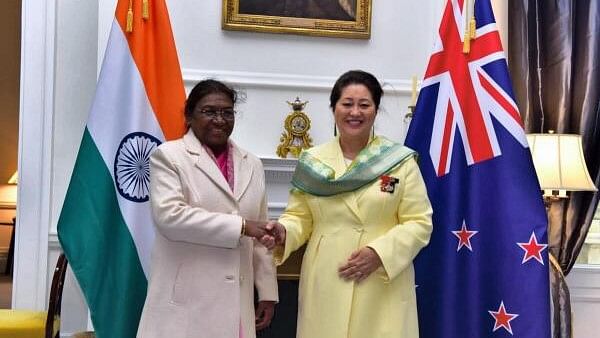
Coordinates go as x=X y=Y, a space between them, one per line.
x=227 y=113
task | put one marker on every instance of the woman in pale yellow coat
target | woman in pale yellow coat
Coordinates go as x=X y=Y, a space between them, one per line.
x=361 y=204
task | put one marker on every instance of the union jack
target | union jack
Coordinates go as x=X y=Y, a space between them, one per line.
x=468 y=94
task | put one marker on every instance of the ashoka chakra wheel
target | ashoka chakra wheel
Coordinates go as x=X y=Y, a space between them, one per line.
x=132 y=166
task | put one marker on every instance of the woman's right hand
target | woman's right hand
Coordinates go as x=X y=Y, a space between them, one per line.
x=275 y=235
x=255 y=229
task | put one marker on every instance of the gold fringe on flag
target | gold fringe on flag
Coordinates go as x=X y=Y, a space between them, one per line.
x=145 y=9
x=470 y=26
x=129 y=27
x=466 y=44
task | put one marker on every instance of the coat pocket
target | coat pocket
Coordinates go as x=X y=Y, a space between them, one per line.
x=178 y=292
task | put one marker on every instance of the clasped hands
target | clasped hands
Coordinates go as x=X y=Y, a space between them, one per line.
x=270 y=234
x=360 y=265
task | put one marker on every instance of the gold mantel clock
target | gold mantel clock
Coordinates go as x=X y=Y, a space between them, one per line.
x=295 y=138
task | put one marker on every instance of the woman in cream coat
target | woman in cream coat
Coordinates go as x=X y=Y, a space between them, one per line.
x=208 y=203
x=361 y=204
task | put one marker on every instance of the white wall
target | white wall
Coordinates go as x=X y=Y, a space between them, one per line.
x=584 y=285
x=270 y=68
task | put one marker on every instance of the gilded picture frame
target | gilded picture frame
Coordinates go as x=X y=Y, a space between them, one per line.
x=332 y=18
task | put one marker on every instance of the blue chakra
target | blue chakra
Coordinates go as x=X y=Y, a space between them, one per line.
x=132 y=166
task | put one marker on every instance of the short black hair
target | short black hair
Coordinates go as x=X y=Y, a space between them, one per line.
x=203 y=88
x=356 y=77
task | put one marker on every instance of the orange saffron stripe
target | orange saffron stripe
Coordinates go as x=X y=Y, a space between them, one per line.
x=153 y=49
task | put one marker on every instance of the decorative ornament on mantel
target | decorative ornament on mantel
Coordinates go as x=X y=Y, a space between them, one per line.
x=295 y=137
x=413 y=99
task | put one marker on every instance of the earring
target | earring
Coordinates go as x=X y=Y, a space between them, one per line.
x=334 y=129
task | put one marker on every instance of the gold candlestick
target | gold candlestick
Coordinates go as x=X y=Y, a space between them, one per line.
x=413 y=98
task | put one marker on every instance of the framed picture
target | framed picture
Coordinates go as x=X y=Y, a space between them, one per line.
x=333 y=18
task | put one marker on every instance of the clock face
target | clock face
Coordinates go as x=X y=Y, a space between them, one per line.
x=299 y=124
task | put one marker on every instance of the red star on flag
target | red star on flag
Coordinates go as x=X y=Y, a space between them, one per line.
x=502 y=318
x=464 y=237
x=533 y=249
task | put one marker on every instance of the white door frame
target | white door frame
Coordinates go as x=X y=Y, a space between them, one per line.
x=35 y=154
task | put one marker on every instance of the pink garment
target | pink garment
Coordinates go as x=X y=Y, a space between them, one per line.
x=224 y=162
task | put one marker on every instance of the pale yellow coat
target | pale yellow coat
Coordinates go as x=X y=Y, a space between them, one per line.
x=396 y=225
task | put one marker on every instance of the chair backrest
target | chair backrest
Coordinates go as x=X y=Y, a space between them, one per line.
x=58 y=280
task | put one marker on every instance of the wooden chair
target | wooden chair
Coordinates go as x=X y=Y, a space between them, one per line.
x=37 y=324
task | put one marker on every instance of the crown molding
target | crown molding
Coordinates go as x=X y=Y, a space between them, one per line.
x=282 y=81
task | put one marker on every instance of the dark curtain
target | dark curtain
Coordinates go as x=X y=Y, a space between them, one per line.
x=554 y=59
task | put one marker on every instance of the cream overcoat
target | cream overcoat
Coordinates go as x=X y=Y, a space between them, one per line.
x=202 y=272
x=396 y=225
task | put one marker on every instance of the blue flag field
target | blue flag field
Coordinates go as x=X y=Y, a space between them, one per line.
x=485 y=271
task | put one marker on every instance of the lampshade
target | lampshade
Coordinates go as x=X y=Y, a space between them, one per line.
x=14 y=178
x=559 y=162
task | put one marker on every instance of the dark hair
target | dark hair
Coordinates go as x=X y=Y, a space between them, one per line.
x=356 y=77
x=203 y=88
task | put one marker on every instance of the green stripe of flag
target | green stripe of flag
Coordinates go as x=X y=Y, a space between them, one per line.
x=99 y=247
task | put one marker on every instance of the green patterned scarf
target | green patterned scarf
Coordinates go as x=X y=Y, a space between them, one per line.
x=378 y=157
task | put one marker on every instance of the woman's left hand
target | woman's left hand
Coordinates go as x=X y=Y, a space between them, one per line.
x=264 y=313
x=360 y=265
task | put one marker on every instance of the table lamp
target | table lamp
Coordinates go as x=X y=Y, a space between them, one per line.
x=559 y=164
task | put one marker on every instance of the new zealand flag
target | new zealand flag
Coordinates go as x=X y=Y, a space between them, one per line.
x=485 y=271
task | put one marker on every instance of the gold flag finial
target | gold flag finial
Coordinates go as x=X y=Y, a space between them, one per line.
x=129 y=27
x=145 y=9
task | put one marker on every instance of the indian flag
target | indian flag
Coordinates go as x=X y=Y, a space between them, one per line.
x=105 y=227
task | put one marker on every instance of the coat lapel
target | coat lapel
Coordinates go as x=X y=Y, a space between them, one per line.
x=205 y=163
x=242 y=172
x=332 y=156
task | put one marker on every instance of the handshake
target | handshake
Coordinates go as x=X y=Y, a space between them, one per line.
x=270 y=234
